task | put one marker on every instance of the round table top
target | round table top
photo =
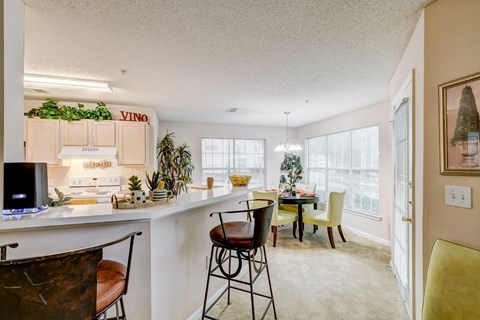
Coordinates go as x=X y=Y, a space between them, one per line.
x=298 y=199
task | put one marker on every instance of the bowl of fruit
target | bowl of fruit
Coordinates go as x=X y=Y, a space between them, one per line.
x=239 y=180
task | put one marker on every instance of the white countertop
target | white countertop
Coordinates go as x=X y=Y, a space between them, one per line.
x=104 y=213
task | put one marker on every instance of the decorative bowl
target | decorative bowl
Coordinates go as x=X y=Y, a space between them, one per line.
x=239 y=180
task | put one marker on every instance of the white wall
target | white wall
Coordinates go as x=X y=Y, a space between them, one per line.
x=192 y=134
x=13 y=80
x=413 y=58
x=379 y=114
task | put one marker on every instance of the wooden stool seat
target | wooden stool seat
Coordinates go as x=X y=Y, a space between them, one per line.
x=239 y=234
x=111 y=279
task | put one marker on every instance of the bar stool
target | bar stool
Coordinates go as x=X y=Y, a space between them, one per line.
x=75 y=284
x=239 y=241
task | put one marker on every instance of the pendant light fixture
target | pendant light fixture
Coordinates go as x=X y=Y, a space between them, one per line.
x=288 y=145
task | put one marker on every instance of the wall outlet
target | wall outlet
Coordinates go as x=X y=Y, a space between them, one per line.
x=458 y=196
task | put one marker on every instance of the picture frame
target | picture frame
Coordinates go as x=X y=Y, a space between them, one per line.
x=460 y=126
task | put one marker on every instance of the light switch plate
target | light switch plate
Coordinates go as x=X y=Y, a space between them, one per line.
x=458 y=196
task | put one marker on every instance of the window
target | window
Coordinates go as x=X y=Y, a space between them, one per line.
x=346 y=160
x=224 y=157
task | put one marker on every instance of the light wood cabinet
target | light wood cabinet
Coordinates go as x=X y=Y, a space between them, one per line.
x=88 y=133
x=131 y=143
x=45 y=138
x=75 y=133
x=102 y=133
x=43 y=141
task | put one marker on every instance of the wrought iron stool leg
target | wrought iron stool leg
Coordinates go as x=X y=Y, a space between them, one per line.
x=269 y=282
x=230 y=272
x=250 y=261
x=124 y=315
x=208 y=283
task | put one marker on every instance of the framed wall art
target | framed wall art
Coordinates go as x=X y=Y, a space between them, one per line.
x=460 y=126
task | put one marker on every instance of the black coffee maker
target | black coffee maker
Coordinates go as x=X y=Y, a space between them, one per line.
x=25 y=186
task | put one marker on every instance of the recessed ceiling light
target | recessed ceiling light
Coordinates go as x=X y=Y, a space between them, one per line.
x=231 y=110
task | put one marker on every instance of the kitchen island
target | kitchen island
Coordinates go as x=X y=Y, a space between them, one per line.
x=170 y=258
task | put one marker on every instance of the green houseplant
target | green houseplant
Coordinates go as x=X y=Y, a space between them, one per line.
x=174 y=164
x=292 y=166
x=154 y=181
x=134 y=183
x=61 y=199
x=51 y=110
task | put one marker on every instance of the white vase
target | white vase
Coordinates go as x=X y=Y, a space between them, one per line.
x=137 y=197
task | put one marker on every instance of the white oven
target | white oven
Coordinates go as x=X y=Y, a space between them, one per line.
x=88 y=187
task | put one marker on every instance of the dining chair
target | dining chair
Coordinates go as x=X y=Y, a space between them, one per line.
x=330 y=218
x=236 y=241
x=280 y=217
x=452 y=290
x=75 y=284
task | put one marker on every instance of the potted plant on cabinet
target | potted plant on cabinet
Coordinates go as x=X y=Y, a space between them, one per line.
x=174 y=164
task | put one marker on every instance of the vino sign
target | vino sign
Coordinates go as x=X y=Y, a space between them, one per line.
x=133 y=116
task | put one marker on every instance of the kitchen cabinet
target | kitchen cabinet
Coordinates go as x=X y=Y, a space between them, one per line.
x=45 y=138
x=131 y=143
x=88 y=133
x=102 y=133
x=43 y=141
x=75 y=133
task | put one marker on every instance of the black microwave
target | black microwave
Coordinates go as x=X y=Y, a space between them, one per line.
x=25 y=185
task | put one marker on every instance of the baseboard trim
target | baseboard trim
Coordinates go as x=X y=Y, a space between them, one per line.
x=197 y=315
x=367 y=235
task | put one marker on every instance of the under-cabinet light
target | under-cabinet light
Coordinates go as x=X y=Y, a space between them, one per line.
x=35 y=81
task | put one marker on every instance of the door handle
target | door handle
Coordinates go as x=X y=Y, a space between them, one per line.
x=406 y=219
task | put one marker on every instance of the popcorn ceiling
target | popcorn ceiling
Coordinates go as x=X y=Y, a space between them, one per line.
x=193 y=59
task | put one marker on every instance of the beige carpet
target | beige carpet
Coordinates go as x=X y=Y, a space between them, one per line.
x=312 y=281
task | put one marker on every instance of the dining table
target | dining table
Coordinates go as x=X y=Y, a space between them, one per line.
x=298 y=200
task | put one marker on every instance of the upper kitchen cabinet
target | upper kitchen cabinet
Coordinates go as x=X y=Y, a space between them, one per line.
x=88 y=133
x=75 y=133
x=43 y=141
x=103 y=133
x=131 y=143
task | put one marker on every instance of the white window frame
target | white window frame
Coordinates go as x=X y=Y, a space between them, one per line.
x=325 y=186
x=258 y=173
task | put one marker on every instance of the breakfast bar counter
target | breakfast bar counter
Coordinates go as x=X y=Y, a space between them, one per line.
x=168 y=272
x=104 y=212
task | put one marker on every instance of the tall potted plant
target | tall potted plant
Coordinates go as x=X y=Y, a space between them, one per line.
x=174 y=164
x=292 y=166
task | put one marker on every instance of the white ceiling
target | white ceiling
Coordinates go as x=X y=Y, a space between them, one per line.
x=191 y=60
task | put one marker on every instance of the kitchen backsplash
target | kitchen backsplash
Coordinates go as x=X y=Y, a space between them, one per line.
x=58 y=176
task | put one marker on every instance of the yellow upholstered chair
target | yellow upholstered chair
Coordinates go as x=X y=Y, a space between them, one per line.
x=279 y=217
x=332 y=217
x=452 y=290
